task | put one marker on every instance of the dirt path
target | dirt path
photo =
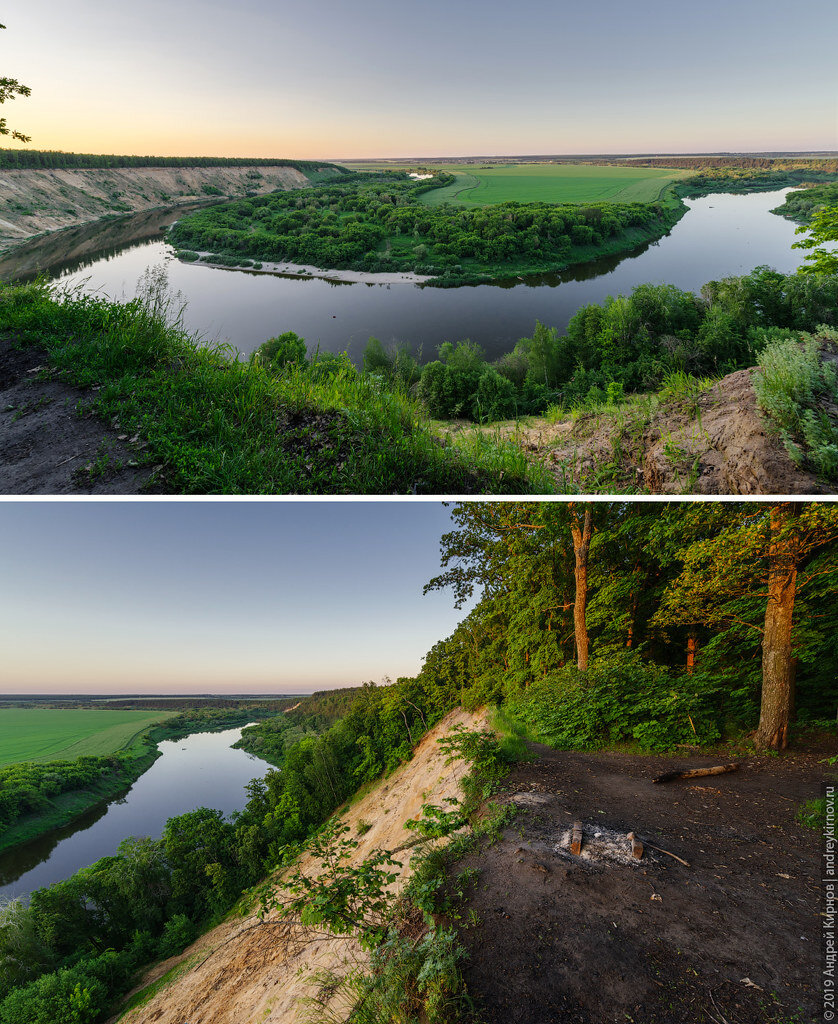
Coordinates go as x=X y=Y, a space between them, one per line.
x=592 y=939
x=46 y=447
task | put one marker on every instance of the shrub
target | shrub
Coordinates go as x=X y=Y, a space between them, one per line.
x=494 y=398
x=792 y=386
x=618 y=699
x=278 y=352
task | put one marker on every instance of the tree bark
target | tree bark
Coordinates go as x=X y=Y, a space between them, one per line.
x=581 y=548
x=692 y=650
x=777 y=661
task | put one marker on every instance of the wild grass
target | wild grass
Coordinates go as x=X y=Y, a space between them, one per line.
x=553 y=183
x=47 y=734
x=795 y=387
x=214 y=425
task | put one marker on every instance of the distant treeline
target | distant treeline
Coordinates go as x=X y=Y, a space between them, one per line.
x=24 y=159
x=738 y=180
x=158 y=703
x=746 y=162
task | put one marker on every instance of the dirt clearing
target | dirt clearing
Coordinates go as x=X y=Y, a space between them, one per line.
x=604 y=937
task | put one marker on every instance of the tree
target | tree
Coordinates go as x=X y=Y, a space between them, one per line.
x=823 y=228
x=581 y=532
x=9 y=89
x=746 y=574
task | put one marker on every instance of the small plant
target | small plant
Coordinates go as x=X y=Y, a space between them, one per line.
x=812 y=814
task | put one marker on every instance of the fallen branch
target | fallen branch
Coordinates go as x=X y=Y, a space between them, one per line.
x=672 y=855
x=696 y=773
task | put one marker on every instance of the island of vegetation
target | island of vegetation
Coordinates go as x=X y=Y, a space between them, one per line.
x=616 y=632
x=377 y=223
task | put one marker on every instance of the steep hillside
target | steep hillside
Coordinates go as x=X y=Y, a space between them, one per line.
x=246 y=971
x=715 y=442
x=32 y=201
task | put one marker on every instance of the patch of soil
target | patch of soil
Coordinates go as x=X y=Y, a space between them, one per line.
x=46 y=447
x=602 y=938
x=719 y=443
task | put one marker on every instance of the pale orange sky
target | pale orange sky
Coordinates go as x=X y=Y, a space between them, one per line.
x=377 y=78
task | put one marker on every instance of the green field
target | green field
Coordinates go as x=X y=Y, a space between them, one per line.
x=49 y=734
x=554 y=183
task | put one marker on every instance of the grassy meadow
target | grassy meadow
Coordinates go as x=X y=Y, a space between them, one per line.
x=53 y=734
x=546 y=183
x=558 y=183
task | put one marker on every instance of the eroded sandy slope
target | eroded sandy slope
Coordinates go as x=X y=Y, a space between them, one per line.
x=32 y=201
x=243 y=972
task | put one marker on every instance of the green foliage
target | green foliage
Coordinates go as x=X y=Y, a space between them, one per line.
x=342 y=897
x=619 y=699
x=213 y=424
x=377 y=222
x=812 y=814
x=21 y=159
x=795 y=387
x=822 y=228
x=277 y=353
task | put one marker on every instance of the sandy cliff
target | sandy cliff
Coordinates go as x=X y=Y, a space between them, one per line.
x=33 y=201
x=238 y=973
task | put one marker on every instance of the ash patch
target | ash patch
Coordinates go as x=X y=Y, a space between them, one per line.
x=601 y=847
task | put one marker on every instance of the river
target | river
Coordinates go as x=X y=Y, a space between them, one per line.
x=719 y=236
x=201 y=770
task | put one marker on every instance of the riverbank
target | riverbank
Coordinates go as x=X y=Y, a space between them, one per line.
x=207 y=259
x=200 y=422
x=65 y=808
x=126 y=768
x=34 y=201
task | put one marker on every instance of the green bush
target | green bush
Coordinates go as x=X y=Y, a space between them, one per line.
x=276 y=353
x=619 y=699
x=792 y=386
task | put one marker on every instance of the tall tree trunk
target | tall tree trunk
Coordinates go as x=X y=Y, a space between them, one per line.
x=581 y=547
x=632 y=616
x=692 y=650
x=777 y=662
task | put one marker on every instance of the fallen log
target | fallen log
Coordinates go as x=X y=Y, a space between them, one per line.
x=696 y=773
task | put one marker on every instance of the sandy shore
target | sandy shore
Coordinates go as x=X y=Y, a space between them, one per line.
x=302 y=270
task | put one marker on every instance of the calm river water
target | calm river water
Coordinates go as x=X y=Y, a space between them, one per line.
x=202 y=770
x=721 y=235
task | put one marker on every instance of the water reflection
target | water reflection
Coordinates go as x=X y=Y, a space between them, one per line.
x=202 y=770
x=721 y=235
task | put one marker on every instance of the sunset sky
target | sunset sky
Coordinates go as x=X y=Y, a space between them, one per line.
x=382 y=78
x=222 y=597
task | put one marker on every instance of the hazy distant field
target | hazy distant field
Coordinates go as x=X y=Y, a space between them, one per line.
x=545 y=183
x=47 y=734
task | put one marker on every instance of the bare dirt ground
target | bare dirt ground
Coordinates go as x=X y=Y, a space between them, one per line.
x=47 y=447
x=243 y=972
x=602 y=938
x=720 y=443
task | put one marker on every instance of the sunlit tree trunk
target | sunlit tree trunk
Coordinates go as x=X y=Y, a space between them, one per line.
x=581 y=548
x=777 y=661
x=692 y=650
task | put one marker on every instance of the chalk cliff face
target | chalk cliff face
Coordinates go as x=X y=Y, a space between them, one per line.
x=32 y=201
x=243 y=971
